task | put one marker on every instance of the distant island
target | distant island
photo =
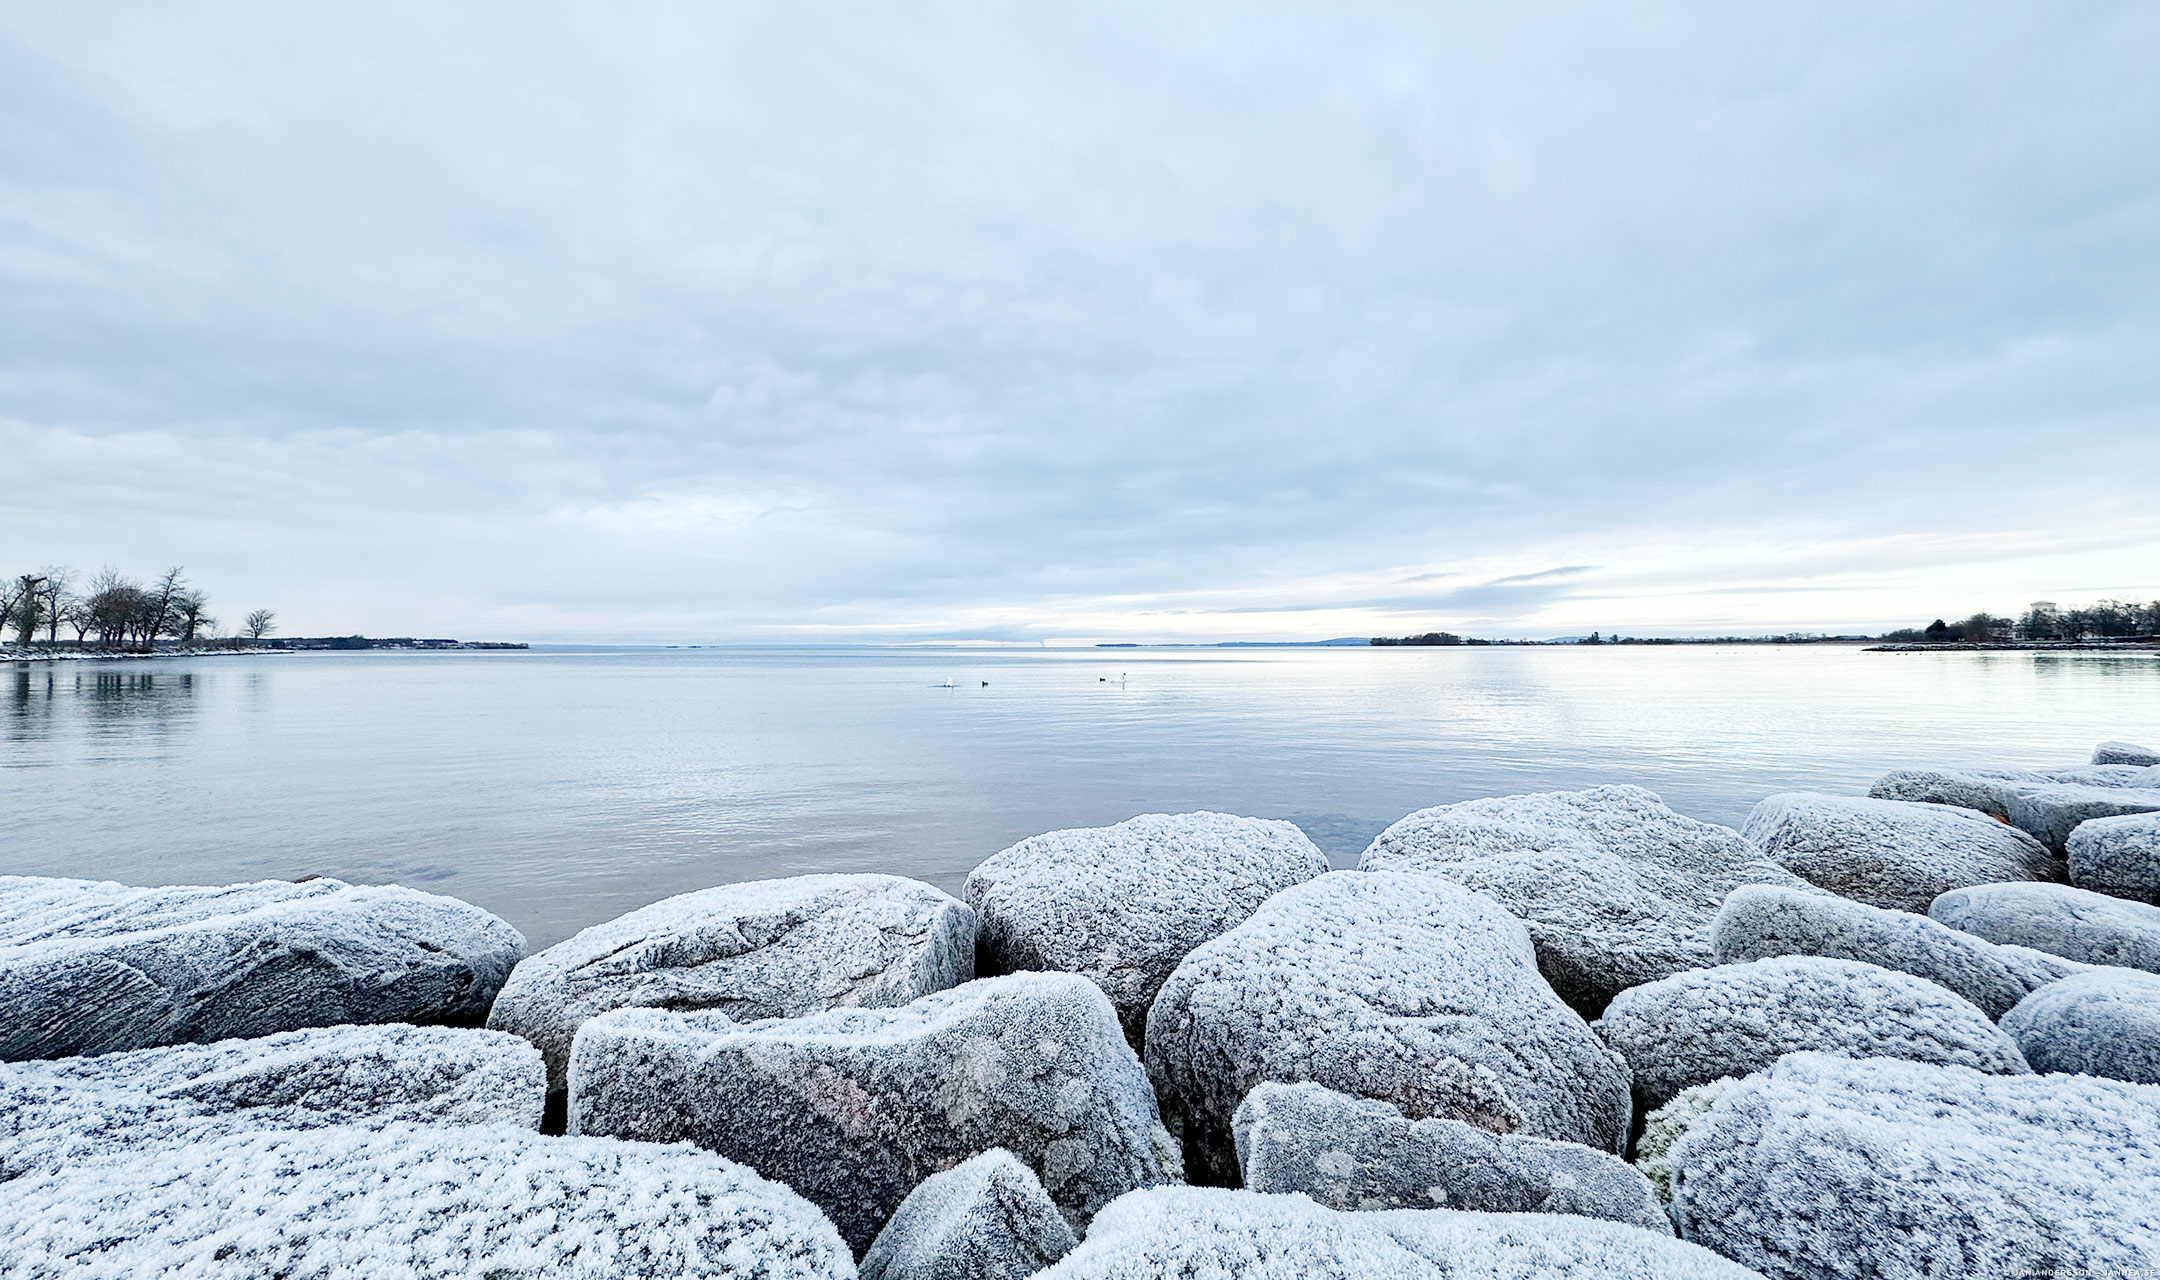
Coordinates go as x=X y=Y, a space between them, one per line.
x=2109 y=624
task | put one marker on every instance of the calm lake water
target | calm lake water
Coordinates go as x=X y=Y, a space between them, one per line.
x=560 y=788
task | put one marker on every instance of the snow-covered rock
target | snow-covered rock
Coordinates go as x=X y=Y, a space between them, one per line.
x=2076 y=924
x=2118 y=856
x=1405 y=988
x=854 y=1107
x=2102 y=1023
x=1828 y=1168
x=1124 y=904
x=1197 y=1233
x=764 y=949
x=59 y=1111
x=1617 y=889
x=986 y=1218
x=2051 y=813
x=414 y=1202
x=1696 y=1027
x=1892 y=853
x=1666 y=1125
x=1761 y=921
x=1353 y=1153
x=2125 y=753
x=97 y=967
x=1989 y=790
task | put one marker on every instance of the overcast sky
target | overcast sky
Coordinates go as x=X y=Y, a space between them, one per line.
x=873 y=322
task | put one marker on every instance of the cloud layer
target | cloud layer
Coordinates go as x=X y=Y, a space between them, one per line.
x=764 y=322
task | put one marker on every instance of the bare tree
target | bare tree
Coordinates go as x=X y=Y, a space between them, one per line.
x=26 y=603
x=59 y=594
x=114 y=604
x=260 y=623
x=190 y=610
x=76 y=613
x=160 y=601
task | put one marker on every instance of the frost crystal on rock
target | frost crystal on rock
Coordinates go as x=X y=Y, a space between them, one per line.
x=764 y=949
x=1761 y=921
x=1617 y=889
x=987 y=1218
x=416 y=1203
x=854 y=1107
x=1406 y=988
x=2102 y=1023
x=1896 y=854
x=2118 y=856
x=2076 y=924
x=1826 y=1168
x=1124 y=904
x=95 y=967
x=1352 y=1153
x=1196 y=1233
x=63 y=1110
x=1697 y=1027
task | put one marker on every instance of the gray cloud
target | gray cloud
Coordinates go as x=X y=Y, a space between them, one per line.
x=765 y=323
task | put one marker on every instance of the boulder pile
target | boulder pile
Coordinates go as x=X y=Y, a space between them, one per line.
x=1872 y=1037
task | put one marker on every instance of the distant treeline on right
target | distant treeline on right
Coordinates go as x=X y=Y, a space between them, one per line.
x=2045 y=620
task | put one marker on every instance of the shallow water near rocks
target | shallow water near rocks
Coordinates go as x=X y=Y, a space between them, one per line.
x=560 y=788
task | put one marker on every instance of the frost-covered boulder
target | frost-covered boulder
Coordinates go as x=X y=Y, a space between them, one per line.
x=96 y=967
x=765 y=949
x=1617 y=889
x=1761 y=921
x=1124 y=904
x=1405 y=988
x=1213 y=1234
x=413 y=1202
x=2102 y=1023
x=1696 y=1027
x=1828 y=1168
x=1892 y=853
x=1353 y=1153
x=2076 y=924
x=854 y=1107
x=1989 y=790
x=62 y=1110
x=2052 y=813
x=987 y=1218
x=2117 y=856
x=2125 y=753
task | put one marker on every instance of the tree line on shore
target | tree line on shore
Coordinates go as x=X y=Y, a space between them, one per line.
x=113 y=611
x=2044 y=622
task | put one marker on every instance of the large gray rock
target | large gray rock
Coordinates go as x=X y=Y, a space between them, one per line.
x=1826 y=1168
x=2052 y=813
x=764 y=949
x=97 y=967
x=413 y=1202
x=2118 y=856
x=1735 y=1019
x=2125 y=753
x=1195 y=1233
x=61 y=1111
x=1405 y=988
x=1989 y=790
x=987 y=1218
x=2076 y=924
x=1617 y=889
x=2102 y=1023
x=1892 y=853
x=1353 y=1153
x=1124 y=904
x=854 y=1107
x=1761 y=921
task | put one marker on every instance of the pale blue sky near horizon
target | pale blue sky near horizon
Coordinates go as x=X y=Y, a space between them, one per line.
x=761 y=322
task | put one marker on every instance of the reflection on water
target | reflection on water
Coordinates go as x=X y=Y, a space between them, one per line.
x=561 y=788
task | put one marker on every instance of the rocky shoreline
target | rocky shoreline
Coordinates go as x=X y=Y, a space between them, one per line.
x=1569 y=1035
